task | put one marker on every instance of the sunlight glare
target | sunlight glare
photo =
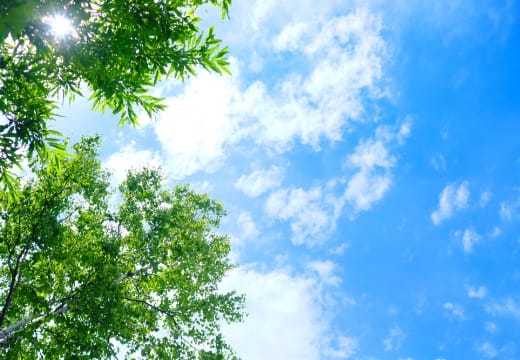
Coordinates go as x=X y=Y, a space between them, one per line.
x=60 y=26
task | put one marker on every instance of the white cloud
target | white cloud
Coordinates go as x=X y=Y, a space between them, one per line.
x=340 y=249
x=262 y=9
x=309 y=213
x=347 y=346
x=490 y=327
x=468 y=238
x=325 y=271
x=198 y=124
x=286 y=320
x=509 y=209
x=365 y=189
x=244 y=232
x=260 y=181
x=211 y=113
x=371 y=154
x=406 y=129
x=455 y=310
x=394 y=340
x=487 y=349
x=290 y=36
x=507 y=307
x=203 y=186
x=315 y=211
x=451 y=199
x=373 y=160
x=438 y=162
x=248 y=229
x=129 y=158
x=478 y=293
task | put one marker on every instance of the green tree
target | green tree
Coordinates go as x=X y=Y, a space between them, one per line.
x=117 y=49
x=79 y=275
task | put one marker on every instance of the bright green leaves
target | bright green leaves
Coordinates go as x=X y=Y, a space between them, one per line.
x=119 y=50
x=79 y=276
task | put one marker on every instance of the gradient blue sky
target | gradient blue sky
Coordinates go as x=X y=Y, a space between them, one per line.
x=368 y=154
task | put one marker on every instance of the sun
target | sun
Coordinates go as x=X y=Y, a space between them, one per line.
x=60 y=25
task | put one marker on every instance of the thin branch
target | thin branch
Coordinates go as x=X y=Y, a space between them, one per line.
x=152 y=306
x=13 y=283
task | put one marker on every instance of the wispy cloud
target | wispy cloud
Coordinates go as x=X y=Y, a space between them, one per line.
x=452 y=198
x=345 y=348
x=509 y=209
x=469 y=238
x=506 y=307
x=373 y=160
x=307 y=210
x=260 y=181
x=487 y=349
x=394 y=340
x=325 y=271
x=345 y=69
x=247 y=226
x=456 y=311
x=130 y=158
x=313 y=213
x=490 y=327
x=478 y=293
x=365 y=188
x=438 y=162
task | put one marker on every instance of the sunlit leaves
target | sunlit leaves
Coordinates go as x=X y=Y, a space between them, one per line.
x=79 y=276
x=117 y=49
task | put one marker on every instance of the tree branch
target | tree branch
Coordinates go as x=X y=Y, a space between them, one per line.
x=152 y=306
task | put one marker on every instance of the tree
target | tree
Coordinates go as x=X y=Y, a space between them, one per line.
x=116 y=49
x=80 y=275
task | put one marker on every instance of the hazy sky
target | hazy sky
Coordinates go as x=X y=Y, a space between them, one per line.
x=369 y=156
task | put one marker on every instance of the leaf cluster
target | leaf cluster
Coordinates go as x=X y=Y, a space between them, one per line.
x=80 y=276
x=117 y=50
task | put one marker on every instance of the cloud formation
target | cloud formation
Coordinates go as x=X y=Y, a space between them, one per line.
x=478 y=293
x=313 y=213
x=469 y=238
x=309 y=213
x=373 y=162
x=286 y=319
x=455 y=310
x=347 y=346
x=260 y=181
x=129 y=158
x=310 y=105
x=396 y=337
x=452 y=198
x=508 y=307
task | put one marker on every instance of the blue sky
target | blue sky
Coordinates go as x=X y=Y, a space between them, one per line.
x=368 y=155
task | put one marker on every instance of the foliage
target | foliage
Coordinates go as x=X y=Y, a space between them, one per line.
x=79 y=276
x=117 y=49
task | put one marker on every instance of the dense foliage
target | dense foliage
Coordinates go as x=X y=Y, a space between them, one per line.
x=116 y=49
x=82 y=273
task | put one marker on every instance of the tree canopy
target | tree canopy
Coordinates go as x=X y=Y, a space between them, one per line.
x=116 y=49
x=81 y=274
